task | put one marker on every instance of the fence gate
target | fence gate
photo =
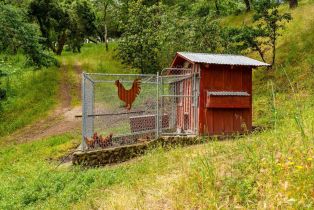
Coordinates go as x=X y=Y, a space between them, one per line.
x=120 y=109
x=178 y=102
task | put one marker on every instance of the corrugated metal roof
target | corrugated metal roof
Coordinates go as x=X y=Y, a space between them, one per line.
x=223 y=59
x=227 y=93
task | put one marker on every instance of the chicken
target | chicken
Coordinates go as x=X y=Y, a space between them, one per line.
x=96 y=141
x=89 y=142
x=129 y=96
x=95 y=136
x=104 y=142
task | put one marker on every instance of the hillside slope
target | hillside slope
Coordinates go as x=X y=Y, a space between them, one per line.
x=271 y=169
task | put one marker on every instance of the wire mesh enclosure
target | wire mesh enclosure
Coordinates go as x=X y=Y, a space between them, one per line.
x=178 y=101
x=123 y=109
x=118 y=108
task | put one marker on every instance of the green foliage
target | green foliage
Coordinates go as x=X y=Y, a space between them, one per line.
x=269 y=19
x=29 y=96
x=53 y=20
x=69 y=22
x=261 y=37
x=152 y=35
x=209 y=36
x=82 y=24
x=16 y=34
x=272 y=169
x=248 y=38
x=139 y=44
x=107 y=19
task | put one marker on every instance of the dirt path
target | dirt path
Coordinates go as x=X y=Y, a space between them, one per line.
x=61 y=119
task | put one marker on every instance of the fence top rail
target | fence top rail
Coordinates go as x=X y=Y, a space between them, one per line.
x=107 y=74
x=167 y=70
x=124 y=81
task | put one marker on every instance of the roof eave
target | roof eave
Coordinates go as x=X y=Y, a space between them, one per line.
x=181 y=56
x=229 y=64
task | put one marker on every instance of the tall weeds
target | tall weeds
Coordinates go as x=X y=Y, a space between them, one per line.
x=297 y=115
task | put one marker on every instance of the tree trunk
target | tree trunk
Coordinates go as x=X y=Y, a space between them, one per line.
x=106 y=38
x=274 y=53
x=273 y=40
x=293 y=4
x=106 y=31
x=260 y=52
x=92 y=40
x=61 y=42
x=247 y=5
x=217 y=7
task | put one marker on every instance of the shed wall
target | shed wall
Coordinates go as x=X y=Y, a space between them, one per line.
x=224 y=119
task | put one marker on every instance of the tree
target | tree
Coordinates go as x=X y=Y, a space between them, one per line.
x=247 y=5
x=3 y=92
x=82 y=24
x=18 y=35
x=103 y=7
x=293 y=3
x=217 y=7
x=250 y=39
x=269 y=19
x=208 y=36
x=68 y=22
x=262 y=36
x=139 y=44
x=54 y=22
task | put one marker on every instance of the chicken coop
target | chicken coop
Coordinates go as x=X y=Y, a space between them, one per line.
x=223 y=93
x=200 y=94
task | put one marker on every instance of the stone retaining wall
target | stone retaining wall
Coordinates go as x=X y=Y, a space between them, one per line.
x=122 y=153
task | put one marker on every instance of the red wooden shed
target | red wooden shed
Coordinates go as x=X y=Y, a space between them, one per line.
x=224 y=93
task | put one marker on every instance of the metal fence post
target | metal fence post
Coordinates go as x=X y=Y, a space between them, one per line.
x=83 y=145
x=194 y=99
x=161 y=93
x=157 y=113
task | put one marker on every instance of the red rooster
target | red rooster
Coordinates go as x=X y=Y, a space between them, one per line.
x=128 y=96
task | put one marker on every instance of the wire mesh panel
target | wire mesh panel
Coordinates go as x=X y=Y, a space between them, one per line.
x=178 y=104
x=118 y=109
x=123 y=109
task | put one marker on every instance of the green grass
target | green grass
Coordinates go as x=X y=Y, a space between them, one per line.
x=94 y=58
x=33 y=93
x=30 y=93
x=273 y=169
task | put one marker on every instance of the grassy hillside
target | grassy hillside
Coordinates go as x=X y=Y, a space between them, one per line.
x=30 y=93
x=33 y=93
x=93 y=58
x=271 y=169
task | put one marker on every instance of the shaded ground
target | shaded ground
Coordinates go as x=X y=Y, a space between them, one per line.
x=61 y=119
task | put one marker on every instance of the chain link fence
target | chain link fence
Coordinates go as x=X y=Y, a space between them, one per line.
x=121 y=109
x=178 y=102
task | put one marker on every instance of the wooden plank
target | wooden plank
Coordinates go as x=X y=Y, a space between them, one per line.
x=218 y=120
x=218 y=82
x=228 y=102
x=228 y=121
x=237 y=120
x=202 y=100
x=227 y=80
x=237 y=79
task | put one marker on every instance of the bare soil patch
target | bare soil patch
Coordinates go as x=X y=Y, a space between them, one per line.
x=60 y=120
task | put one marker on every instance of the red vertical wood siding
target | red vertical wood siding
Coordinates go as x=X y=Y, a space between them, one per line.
x=217 y=121
x=184 y=109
